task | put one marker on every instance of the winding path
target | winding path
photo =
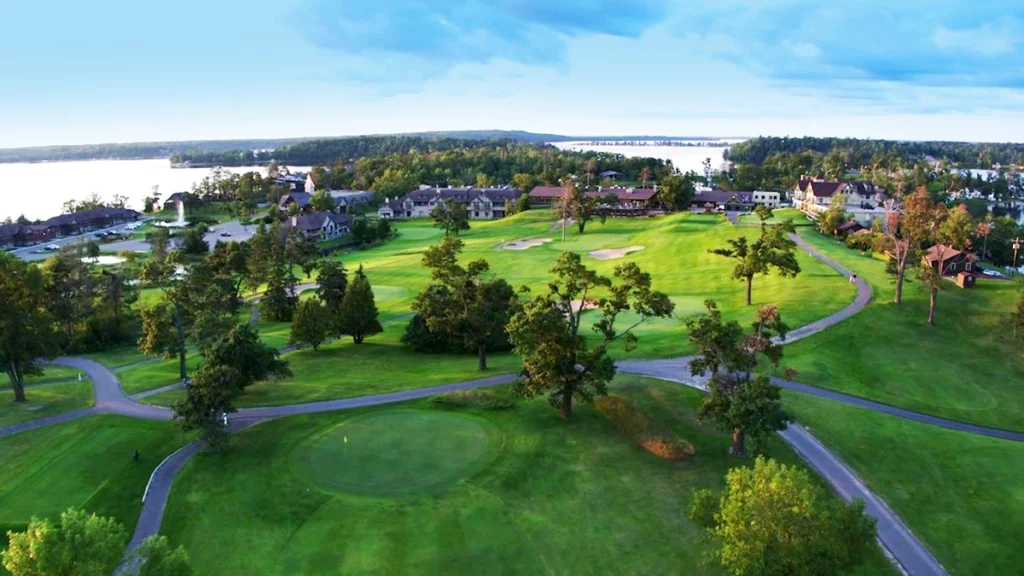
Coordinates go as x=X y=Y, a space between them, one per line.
x=895 y=536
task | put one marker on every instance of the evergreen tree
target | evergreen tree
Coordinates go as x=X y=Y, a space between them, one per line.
x=358 y=314
x=311 y=324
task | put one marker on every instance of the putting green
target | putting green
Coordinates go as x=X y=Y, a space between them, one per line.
x=395 y=453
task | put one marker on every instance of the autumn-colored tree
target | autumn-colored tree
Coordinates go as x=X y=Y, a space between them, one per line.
x=983 y=231
x=949 y=230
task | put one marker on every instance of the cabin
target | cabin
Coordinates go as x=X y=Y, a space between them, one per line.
x=723 y=199
x=949 y=261
x=300 y=198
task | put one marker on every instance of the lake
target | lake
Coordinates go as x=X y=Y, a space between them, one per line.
x=38 y=190
x=684 y=158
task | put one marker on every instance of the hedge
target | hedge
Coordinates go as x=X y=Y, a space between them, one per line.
x=646 y=433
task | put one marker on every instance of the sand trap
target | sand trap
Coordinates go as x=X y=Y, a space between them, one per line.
x=613 y=253
x=524 y=244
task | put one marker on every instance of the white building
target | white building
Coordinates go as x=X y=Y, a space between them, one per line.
x=767 y=198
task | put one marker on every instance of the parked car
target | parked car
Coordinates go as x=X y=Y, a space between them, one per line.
x=51 y=247
x=225 y=234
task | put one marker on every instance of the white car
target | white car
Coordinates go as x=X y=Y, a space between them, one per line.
x=51 y=247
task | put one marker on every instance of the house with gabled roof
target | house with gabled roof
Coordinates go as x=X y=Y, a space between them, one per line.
x=481 y=203
x=320 y=225
x=862 y=199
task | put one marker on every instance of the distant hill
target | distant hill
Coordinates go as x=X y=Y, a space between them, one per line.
x=154 y=150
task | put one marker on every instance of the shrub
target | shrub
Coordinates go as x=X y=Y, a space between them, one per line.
x=642 y=430
x=862 y=242
x=473 y=399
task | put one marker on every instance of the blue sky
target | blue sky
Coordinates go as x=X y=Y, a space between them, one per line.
x=117 y=70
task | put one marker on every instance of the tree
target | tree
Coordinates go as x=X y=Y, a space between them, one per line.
x=156 y=557
x=524 y=182
x=645 y=175
x=676 y=192
x=948 y=230
x=192 y=241
x=322 y=201
x=739 y=402
x=545 y=332
x=81 y=545
x=463 y=304
x=357 y=316
x=92 y=250
x=522 y=203
x=450 y=216
x=208 y=398
x=361 y=231
x=772 y=520
x=830 y=220
x=383 y=229
x=70 y=290
x=310 y=324
x=772 y=250
x=242 y=350
x=26 y=326
x=764 y=213
x=983 y=231
x=332 y=283
x=582 y=207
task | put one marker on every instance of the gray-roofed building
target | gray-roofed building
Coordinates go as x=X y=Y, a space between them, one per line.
x=481 y=203
x=300 y=198
x=346 y=198
x=321 y=225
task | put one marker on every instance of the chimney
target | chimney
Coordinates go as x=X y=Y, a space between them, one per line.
x=295 y=221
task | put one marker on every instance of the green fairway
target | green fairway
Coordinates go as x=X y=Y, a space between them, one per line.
x=965 y=368
x=549 y=497
x=154 y=374
x=86 y=463
x=45 y=401
x=961 y=494
x=778 y=217
x=118 y=357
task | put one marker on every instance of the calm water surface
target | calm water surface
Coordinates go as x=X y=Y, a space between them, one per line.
x=38 y=190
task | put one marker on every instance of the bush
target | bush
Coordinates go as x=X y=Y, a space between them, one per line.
x=473 y=399
x=862 y=242
x=642 y=430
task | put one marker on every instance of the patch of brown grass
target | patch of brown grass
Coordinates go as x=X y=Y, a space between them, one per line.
x=645 y=432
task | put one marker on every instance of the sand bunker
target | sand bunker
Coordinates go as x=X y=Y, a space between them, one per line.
x=524 y=244
x=612 y=253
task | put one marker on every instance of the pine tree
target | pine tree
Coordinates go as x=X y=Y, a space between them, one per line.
x=358 y=316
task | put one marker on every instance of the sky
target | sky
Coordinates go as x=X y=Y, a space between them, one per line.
x=124 y=70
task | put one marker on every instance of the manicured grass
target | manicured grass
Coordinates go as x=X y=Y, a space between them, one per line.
x=555 y=498
x=965 y=368
x=154 y=374
x=118 y=357
x=45 y=401
x=961 y=494
x=676 y=255
x=86 y=463
x=53 y=373
x=778 y=216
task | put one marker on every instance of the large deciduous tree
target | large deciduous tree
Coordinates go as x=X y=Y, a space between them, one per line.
x=461 y=304
x=156 y=557
x=81 y=545
x=450 y=216
x=357 y=316
x=949 y=230
x=676 y=191
x=830 y=220
x=311 y=324
x=773 y=520
x=545 y=332
x=737 y=400
x=583 y=207
x=772 y=250
x=26 y=326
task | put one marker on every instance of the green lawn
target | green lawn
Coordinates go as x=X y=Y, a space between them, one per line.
x=961 y=494
x=965 y=368
x=52 y=373
x=418 y=489
x=154 y=374
x=45 y=401
x=779 y=215
x=676 y=254
x=118 y=357
x=85 y=463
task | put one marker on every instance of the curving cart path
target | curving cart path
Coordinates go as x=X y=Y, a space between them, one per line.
x=911 y=555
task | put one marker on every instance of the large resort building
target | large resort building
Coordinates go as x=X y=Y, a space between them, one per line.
x=481 y=203
x=862 y=200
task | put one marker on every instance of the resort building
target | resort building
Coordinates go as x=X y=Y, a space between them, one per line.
x=627 y=200
x=320 y=225
x=862 y=199
x=481 y=203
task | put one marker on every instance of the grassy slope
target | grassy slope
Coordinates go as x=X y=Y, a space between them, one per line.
x=676 y=255
x=963 y=495
x=86 y=463
x=965 y=368
x=798 y=217
x=557 y=498
x=45 y=401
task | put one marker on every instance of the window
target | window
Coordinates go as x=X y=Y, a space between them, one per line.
x=476 y=214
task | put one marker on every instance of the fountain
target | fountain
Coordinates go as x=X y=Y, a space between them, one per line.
x=180 y=222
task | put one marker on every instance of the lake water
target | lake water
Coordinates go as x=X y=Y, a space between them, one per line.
x=684 y=158
x=38 y=190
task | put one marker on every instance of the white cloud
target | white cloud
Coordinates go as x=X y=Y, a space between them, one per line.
x=984 y=40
